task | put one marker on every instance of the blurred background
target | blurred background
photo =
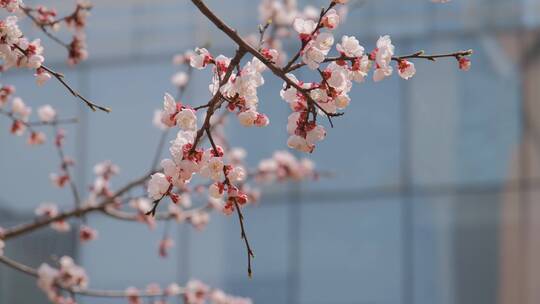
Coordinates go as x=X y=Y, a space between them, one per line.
x=434 y=198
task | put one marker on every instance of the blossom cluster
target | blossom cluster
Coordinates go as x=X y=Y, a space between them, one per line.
x=45 y=17
x=226 y=173
x=62 y=178
x=195 y=292
x=330 y=95
x=188 y=160
x=19 y=112
x=103 y=171
x=240 y=90
x=17 y=51
x=68 y=276
x=50 y=210
x=284 y=166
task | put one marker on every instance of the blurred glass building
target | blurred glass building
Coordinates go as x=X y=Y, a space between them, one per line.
x=435 y=198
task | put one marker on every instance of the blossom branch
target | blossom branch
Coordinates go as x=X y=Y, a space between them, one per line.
x=181 y=90
x=417 y=55
x=279 y=72
x=422 y=55
x=43 y=18
x=60 y=78
x=42 y=26
x=76 y=212
x=310 y=37
x=211 y=105
x=86 y=292
x=16 y=120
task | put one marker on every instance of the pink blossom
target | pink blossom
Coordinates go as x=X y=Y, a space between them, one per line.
x=158 y=186
x=46 y=210
x=153 y=288
x=180 y=79
x=46 y=113
x=10 y=5
x=69 y=275
x=216 y=190
x=247 y=118
x=133 y=295
x=61 y=226
x=186 y=120
x=87 y=233
x=199 y=219
x=406 y=69
x=196 y=292
x=36 y=138
x=304 y=27
x=383 y=56
x=464 y=63
x=350 y=47
x=213 y=169
x=201 y=58
x=164 y=246
x=173 y=289
x=331 y=19
x=42 y=76
x=20 y=108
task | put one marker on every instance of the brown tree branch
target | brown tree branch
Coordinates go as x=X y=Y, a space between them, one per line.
x=243 y=235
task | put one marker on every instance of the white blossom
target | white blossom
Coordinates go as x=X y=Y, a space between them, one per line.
x=46 y=113
x=350 y=47
x=158 y=186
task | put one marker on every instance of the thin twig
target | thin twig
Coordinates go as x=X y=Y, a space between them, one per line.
x=30 y=125
x=60 y=78
x=90 y=104
x=65 y=121
x=243 y=235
